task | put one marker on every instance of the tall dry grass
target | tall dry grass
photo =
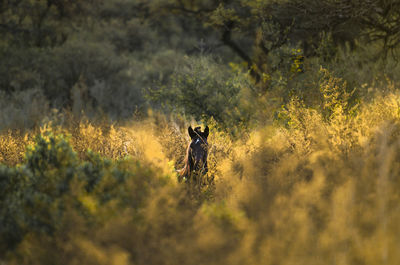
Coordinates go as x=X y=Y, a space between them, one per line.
x=320 y=186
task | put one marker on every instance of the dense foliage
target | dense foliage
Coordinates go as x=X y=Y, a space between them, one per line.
x=302 y=102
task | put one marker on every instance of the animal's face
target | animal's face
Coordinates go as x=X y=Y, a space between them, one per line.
x=198 y=148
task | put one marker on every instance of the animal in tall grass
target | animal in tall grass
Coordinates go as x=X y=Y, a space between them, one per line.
x=196 y=155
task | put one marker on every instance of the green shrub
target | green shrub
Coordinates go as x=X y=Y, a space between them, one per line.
x=38 y=195
x=204 y=89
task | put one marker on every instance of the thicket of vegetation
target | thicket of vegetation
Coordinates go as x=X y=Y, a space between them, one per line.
x=303 y=106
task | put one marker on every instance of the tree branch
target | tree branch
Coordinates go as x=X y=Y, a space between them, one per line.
x=227 y=40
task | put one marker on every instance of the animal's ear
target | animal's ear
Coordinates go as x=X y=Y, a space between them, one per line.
x=191 y=132
x=206 y=132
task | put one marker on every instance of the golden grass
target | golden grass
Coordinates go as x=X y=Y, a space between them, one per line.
x=318 y=191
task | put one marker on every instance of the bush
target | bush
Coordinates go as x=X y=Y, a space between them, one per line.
x=204 y=89
x=39 y=195
x=79 y=75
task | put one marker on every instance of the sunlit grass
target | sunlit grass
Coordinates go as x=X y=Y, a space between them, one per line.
x=315 y=187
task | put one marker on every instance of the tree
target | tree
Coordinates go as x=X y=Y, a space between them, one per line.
x=40 y=23
x=253 y=29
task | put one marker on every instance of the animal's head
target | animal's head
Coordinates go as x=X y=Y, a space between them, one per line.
x=198 y=148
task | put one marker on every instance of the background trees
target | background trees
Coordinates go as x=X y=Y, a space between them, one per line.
x=116 y=50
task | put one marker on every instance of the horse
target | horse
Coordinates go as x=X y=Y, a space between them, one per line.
x=196 y=155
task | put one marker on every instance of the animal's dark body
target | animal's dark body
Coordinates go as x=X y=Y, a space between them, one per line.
x=196 y=154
